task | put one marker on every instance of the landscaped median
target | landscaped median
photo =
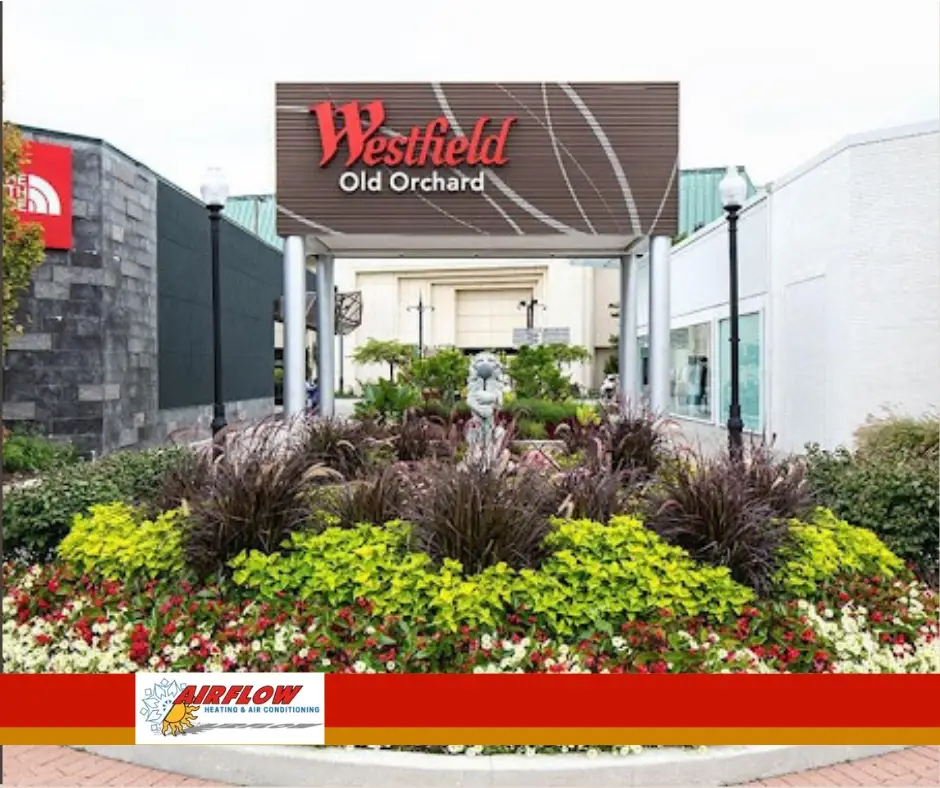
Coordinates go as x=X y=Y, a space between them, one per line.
x=329 y=553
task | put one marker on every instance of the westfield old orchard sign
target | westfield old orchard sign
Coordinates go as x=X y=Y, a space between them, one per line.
x=498 y=169
x=355 y=134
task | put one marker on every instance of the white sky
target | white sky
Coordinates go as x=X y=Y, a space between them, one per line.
x=184 y=85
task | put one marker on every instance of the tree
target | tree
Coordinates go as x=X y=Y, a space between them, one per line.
x=385 y=351
x=23 y=248
x=442 y=374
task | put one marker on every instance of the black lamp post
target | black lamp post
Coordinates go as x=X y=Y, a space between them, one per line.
x=733 y=191
x=529 y=307
x=214 y=195
x=421 y=308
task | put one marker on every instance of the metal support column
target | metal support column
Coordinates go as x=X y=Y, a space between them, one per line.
x=295 y=326
x=659 y=322
x=627 y=360
x=326 y=335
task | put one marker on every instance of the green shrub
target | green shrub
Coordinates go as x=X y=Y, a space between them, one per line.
x=36 y=519
x=532 y=430
x=891 y=495
x=900 y=438
x=542 y=411
x=385 y=401
x=116 y=542
x=826 y=548
x=536 y=371
x=599 y=576
x=27 y=453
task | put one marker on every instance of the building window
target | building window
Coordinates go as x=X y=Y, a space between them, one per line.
x=749 y=359
x=690 y=356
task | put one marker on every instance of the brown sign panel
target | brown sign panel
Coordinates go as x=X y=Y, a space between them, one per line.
x=480 y=164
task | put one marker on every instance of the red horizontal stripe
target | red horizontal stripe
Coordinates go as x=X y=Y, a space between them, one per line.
x=528 y=700
x=724 y=700
x=53 y=700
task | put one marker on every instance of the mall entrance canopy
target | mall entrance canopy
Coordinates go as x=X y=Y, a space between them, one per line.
x=476 y=170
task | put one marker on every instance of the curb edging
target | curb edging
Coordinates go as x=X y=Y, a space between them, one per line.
x=334 y=767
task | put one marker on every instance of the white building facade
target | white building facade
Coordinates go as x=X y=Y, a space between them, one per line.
x=839 y=279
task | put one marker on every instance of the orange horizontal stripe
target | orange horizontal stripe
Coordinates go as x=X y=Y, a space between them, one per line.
x=623 y=736
x=67 y=736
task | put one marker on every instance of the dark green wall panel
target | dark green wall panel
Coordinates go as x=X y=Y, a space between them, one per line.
x=252 y=279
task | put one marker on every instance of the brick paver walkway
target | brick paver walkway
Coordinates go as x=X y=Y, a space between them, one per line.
x=55 y=766
x=61 y=766
x=913 y=766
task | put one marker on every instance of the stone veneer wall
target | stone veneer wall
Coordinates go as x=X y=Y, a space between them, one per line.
x=86 y=367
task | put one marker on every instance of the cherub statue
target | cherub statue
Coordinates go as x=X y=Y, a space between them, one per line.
x=485 y=386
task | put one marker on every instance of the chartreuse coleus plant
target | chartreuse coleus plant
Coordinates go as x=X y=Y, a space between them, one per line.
x=598 y=574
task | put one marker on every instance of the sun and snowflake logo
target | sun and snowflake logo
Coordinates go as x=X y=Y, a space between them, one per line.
x=163 y=711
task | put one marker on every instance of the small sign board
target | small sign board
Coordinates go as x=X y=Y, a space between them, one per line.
x=556 y=336
x=540 y=336
x=525 y=336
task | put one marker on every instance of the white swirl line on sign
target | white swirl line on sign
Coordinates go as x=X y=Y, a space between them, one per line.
x=564 y=148
x=497 y=181
x=610 y=153
x=561 y=164
x=303 y=220
x=662 y=203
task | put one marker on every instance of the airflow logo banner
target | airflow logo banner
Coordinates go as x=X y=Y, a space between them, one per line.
x=242 y=708
x=42 y=192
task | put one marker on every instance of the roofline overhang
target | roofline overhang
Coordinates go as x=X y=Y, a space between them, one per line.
x=470 y=246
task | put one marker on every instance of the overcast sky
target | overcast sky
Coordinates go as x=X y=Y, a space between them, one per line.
x=183 y=85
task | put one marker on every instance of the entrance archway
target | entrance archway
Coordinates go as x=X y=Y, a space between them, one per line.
x=474 y=170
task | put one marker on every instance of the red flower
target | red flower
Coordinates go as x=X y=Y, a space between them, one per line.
x=52 y=586
x=877 y=617
x=808 y=636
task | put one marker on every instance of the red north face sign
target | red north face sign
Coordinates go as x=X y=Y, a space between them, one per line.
x=42 y=192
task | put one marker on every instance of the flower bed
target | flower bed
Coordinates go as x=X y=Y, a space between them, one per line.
x=261 y=560
x=424 y=619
